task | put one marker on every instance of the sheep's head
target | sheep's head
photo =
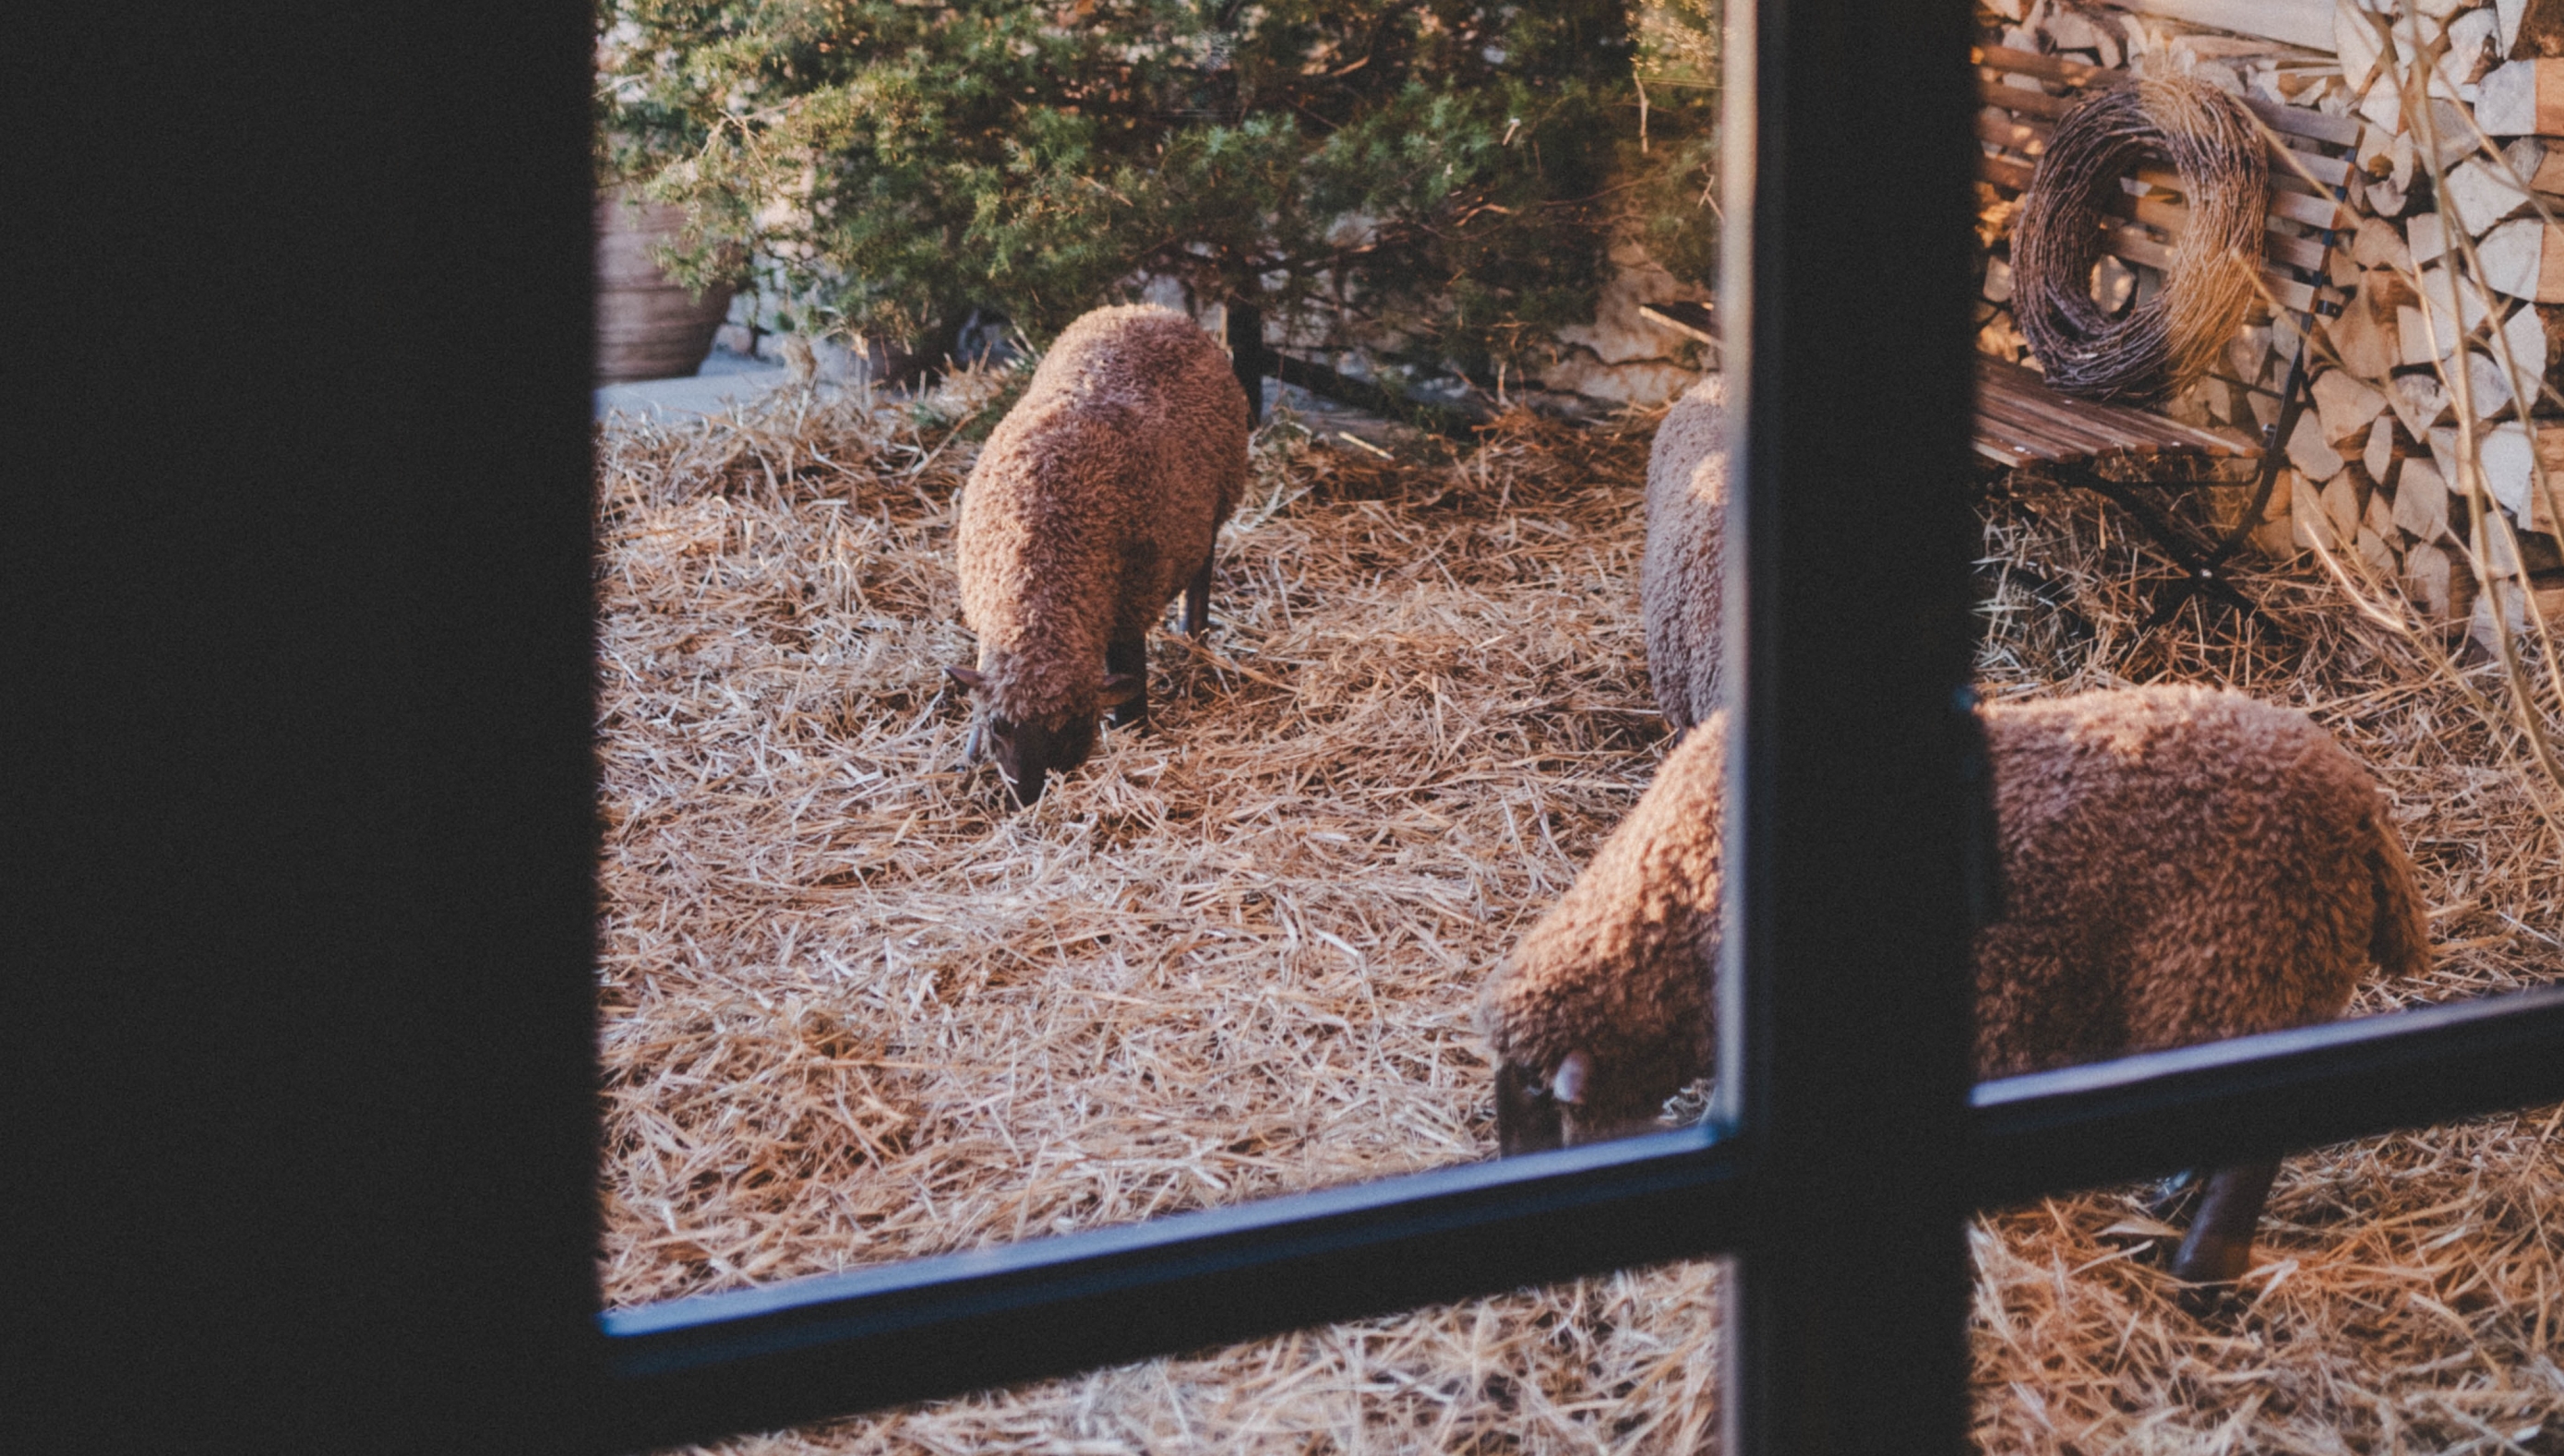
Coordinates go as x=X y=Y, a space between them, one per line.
x=1595 y=1021
x=1575 y=1100
x=1601 y=1012
x=1029 y=751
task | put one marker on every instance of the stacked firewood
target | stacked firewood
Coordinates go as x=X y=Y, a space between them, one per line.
x=2453 y=242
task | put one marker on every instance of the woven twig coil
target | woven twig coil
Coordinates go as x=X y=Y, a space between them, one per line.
x=2165 y=343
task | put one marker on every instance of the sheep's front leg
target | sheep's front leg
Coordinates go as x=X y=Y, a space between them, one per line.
x=1129 y=655
x=2218 y=1246
x=1196 y=623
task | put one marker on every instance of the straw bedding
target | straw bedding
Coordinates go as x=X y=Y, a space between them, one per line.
x=851 y=1013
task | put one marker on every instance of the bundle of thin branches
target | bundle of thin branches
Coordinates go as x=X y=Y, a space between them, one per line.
x=2167 y=341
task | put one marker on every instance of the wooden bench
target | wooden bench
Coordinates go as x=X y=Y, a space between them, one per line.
x=2120 y=452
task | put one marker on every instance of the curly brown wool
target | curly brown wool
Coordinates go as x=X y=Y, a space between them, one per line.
x=1678 y=582
x=1096 y=500
x=2180 y=866
x=2166 y=342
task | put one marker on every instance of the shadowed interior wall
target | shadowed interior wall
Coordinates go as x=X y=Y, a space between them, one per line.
x=297 y=729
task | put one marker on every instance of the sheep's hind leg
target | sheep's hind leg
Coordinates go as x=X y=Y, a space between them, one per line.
x=1196 y=623
x=2219 y=1247
x=1130 y=655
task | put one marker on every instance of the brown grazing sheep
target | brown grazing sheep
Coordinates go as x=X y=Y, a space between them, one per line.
x=1686 y=513
x=1098 y=496
x=2179 y=866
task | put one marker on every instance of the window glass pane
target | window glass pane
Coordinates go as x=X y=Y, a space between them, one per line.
x=2343 y=577
x=857 y=1008
x=2341 y=591
x=2401 y=1291
x=855 y=1005
x=853 y=1012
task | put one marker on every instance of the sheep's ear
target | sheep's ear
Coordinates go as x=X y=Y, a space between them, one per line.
x=1566 y=1083
x=1121 y=688
x=967 y=677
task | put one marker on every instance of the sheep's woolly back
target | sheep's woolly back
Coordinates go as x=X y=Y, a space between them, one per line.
x=1678 y=582
x=1094 y=501
x=1620 y=966
x=2180 y=866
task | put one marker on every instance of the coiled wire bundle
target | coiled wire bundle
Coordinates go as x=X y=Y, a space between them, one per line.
x=2166 y=342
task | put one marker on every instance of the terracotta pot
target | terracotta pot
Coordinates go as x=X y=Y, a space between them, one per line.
x=648 y=327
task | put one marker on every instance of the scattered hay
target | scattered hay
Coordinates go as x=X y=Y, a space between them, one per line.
x=854 y=1013
x=2409 y=1294
x=851 y=1013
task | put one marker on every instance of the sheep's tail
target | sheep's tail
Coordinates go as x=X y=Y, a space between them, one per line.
x=2400 y=941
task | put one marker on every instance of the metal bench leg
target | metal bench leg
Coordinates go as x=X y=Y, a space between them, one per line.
x=2204 y=574
x=2201 y=574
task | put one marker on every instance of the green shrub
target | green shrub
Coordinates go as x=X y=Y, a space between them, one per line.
x=1440 y=179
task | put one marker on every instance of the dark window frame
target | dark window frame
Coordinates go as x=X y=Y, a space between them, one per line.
x=714 y=1364
x=303 y=1032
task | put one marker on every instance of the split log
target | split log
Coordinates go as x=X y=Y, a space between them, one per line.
x=2455 y=305
x=2488 y=387
x=2366 y=347
x=2426 y=240
x=2378 y=456
x=2539 y=163
x=2378 y=245
x=2311 y=453
x=2377 y=516
x=2470 y=49
x=2342 y=508
x=2525 y=258
x=2362 y=51
x=2523 y=98
x=2308 y=526
x=2480 y=195
x=2528 y=344
x=2427 y=577
x=2345 y=403
x=2548 y=601
x=2418 y=401
x=2421 y=500
x=2510 y=462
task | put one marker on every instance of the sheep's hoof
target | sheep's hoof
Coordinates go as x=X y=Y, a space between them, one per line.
x=2204 y=1293
x=2207 y=1259
x=2209 y=1301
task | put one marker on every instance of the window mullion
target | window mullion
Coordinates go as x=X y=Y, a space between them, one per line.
x=1845 y=1033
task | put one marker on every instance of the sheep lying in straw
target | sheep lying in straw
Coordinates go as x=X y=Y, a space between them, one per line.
x=1686 y=506
x=2179 y=866
x=1097 y=497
